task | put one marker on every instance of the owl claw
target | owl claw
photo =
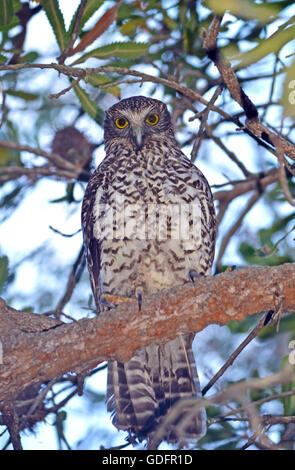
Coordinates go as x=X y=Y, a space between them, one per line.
x=138 y=293
x=109 y=301
x=139 y=300
x=193 y=274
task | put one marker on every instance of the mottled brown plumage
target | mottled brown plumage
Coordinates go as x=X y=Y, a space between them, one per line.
x=149 y=223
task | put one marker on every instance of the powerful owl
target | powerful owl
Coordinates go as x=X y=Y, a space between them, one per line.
x=149 y=223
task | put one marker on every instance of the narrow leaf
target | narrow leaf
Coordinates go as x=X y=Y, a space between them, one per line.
x=273 y=44
x=29 y=57
x=244 y=9
x=124 y=50
x=56 y=20
x=3 y=270
x=97 y=80
x=288 y=95
x=89 y=105
x=98 y=29
x=24 y=95
x=91 y=7
x=6 y=12
x=3 y=59
x=129 y=27
x=14 y=22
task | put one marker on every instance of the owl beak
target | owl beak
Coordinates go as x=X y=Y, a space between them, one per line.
x=137 y=134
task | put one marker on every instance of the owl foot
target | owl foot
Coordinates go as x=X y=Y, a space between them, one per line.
x=138 y=294
x=109 y=301
x=193 y=274
x=229 y=269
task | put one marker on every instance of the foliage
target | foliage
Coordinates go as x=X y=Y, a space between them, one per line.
x=162 y=39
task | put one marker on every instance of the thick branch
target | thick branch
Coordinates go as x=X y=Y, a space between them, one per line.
x=37 y=348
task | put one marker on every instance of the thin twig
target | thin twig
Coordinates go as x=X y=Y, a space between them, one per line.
x=228 y=152
x=65 y=90
x=260 y=325
x=77 y=268
x=282 y=172
x=204 y=118
x=52 y=157
x=74 y=34
x=226 y=415
x=233 y=392
x=226 y=239
x=13 y=172
x=229 y=77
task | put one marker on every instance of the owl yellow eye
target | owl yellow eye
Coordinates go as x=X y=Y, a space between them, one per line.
x=121 y=122
x=152 y=119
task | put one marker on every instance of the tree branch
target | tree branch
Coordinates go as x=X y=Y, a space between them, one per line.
x=37 y=348
x=253 y=124
x=57 y=160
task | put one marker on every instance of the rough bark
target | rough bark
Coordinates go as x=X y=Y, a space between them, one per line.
x=37 y=348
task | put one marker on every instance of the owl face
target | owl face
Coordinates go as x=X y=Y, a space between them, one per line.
x=137 y=120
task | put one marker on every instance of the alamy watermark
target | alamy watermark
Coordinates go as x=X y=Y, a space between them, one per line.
x=121 y=220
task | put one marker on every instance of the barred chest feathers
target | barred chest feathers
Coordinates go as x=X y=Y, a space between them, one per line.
x=151 y=229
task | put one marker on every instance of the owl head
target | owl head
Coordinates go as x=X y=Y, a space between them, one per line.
x=137 y=121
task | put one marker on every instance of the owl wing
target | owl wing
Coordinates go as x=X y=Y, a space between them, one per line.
x=92 y=244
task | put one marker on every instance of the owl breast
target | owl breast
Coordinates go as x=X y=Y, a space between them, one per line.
x=154 y=229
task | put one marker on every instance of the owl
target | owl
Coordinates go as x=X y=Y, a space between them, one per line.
x=149 y=223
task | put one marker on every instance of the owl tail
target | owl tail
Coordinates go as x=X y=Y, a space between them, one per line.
x=141 y=392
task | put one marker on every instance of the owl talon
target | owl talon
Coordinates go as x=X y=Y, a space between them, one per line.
x=109 y=301
x=229 y=269
x=104 y=304
x=193 y=274
x=138 y=293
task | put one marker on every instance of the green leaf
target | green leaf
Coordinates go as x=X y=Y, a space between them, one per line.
x=56 y=20
x=3 y=270
x=97 y=80
x=244 y=9
x=14 y=22
x=91 y=7
x=8 y=157
x=2 y=59
x=245 y=325
x=253 y=256
x=89 y=105
x=288 y=95
x=170 y=22
x=6 y=12
x=271 y=45
x=287 y=325
x=29 y=57
x=124 y=50
x=24 y=95
x=129 y=27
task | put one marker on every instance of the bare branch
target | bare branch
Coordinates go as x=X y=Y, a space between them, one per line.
x=236 y=225
x=282 y=172
x=256 y=330
x=8 y=173
x=229 y=77
x=58 y=161
x=74 y=34
x=233 y=392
